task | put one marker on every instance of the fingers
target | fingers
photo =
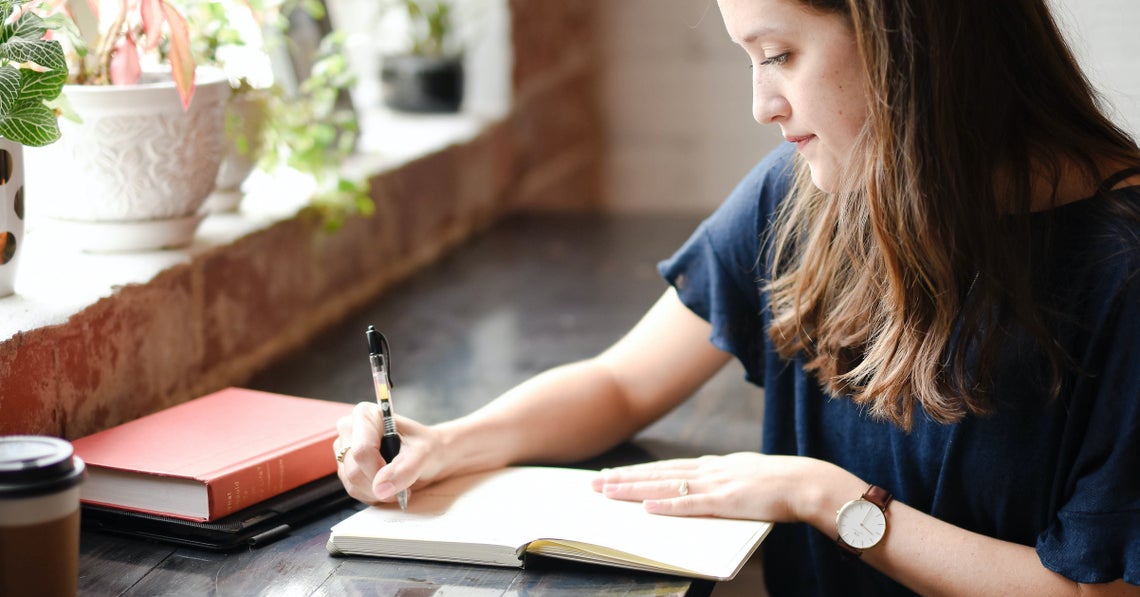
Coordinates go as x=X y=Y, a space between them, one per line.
x=669 y=487
x=366 y=428
x=360 y=434
x=643 y=476
x=661 y=469
x=670 y=497
x=408 y=466
x=691 y=505
x=651 y=489
x=363 y=471
x=746 y=485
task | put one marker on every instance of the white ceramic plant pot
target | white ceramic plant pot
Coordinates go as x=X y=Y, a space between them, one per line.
x=11 y=212
x=246 y=113
x=135 y=173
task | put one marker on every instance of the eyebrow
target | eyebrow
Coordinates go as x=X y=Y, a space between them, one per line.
x=761 y=31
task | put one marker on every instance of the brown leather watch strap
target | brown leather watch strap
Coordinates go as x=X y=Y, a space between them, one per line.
x=878 y=496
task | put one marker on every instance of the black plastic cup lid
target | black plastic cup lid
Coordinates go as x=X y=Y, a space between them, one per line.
x=32 y=465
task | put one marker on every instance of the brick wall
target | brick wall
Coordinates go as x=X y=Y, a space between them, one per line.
x=233 y=309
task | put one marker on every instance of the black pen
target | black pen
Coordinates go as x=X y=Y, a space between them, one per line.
x=380 y=358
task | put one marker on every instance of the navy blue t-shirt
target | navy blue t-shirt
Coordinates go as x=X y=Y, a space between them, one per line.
x=1060 y=475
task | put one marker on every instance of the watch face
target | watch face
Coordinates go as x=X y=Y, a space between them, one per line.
x=861 y=524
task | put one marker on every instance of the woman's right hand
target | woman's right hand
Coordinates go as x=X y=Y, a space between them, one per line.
x=363 y=471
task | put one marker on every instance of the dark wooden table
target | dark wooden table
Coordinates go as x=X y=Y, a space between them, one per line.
x=534 y=292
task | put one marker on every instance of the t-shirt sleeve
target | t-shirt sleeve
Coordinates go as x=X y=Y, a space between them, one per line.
x=716 y=272
x=1095 y=536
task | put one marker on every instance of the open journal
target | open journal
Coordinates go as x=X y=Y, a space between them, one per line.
x=498 y=517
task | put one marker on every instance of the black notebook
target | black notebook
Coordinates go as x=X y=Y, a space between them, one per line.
x=255 y=526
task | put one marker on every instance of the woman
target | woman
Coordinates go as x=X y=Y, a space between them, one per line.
x=941 y=304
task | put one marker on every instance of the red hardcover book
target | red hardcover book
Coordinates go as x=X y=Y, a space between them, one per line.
x=211 y=456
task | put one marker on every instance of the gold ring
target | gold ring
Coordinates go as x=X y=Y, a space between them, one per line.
x=341 y=452
x=684 y=488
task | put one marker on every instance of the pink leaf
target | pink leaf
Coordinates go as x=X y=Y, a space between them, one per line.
x=181 y=62
x=125 y=69
x=153 y=15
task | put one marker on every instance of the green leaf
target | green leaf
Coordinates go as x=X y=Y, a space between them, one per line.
x=35 y=84
x=48 y=54
x=24 y=117
x=41 y=85
x=9 y=87
x=29 y=27
x=5 y=12
x=30 y=123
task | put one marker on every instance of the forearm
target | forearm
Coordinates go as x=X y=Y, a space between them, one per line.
x=933 y=557
x=565 y=414
x=936 y=558
x=579 y=410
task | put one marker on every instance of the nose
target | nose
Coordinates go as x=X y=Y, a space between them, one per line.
x=768 y=104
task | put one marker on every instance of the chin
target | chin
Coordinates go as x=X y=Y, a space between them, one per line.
x=822 y=180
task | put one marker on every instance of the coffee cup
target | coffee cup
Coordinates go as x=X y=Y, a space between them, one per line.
x=39 y=516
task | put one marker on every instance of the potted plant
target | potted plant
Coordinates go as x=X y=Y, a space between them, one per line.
x=428 y=76
x=229 y=34
x=146 y=151
x=302 y=126
x=313 y=130
x=32 y=73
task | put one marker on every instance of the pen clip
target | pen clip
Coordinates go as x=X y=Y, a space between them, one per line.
x=378 y=345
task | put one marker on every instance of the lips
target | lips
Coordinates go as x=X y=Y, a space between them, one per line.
x=801 y=141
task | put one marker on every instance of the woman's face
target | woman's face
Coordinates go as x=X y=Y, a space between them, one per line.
x=806 y=77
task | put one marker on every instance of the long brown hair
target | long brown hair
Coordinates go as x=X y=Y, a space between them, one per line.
x=970 y=102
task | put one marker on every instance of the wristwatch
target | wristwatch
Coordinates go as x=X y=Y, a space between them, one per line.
x=862 y=523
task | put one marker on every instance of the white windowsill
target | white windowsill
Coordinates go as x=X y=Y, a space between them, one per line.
x=55 y=281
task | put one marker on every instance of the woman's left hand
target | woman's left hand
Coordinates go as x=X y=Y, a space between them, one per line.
x=743 y=485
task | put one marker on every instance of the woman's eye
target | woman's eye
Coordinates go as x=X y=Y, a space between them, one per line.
x=775 y=60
